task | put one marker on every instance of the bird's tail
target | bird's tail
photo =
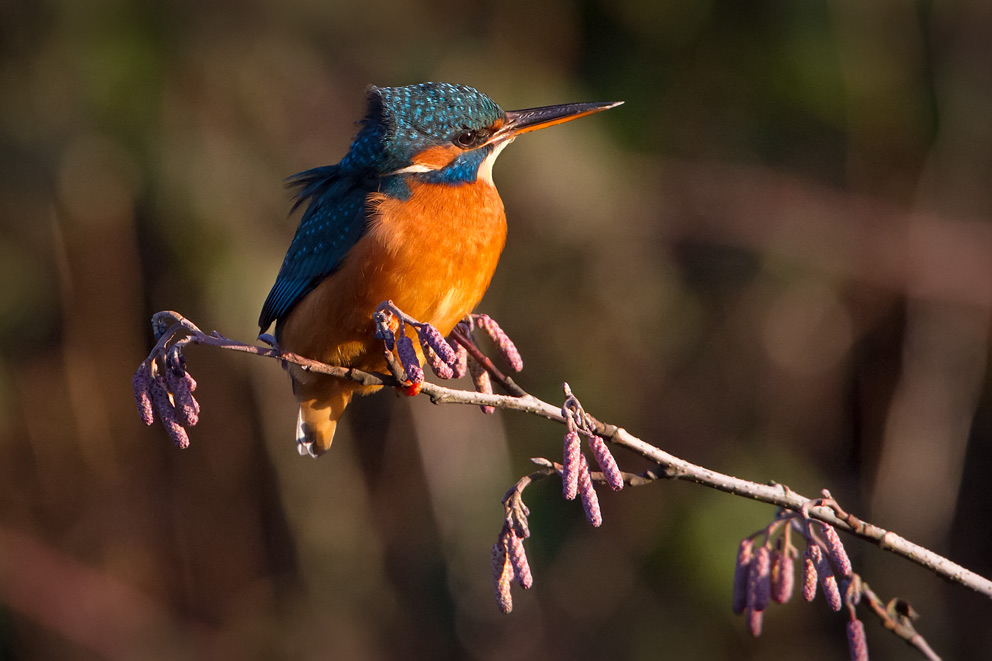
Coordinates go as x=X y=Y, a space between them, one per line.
x=322 y=403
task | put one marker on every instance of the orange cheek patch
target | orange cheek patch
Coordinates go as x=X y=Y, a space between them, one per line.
x=437 y=157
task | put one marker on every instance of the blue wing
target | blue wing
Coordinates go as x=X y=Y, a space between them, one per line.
x=333 y=222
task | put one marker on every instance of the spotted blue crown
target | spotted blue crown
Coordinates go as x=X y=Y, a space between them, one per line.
x=400 y=122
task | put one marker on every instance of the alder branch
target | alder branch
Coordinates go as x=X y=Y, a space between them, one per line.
x=172 y=328
x=764 y=573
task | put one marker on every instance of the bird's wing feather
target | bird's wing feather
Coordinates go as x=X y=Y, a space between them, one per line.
x=333 y=222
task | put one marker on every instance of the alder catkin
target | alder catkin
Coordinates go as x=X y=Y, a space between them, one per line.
x=745 y=555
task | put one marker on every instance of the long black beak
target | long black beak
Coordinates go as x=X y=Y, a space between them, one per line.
x=532 y=119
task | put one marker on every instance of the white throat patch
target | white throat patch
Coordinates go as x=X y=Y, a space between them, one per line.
x=486 y=167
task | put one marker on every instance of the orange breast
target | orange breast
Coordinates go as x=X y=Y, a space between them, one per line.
x=433 y=254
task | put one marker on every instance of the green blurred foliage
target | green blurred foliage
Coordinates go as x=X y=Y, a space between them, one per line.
x=774 y=260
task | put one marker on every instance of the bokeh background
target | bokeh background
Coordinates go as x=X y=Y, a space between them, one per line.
x=774 y=260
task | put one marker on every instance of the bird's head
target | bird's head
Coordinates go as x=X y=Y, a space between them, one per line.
x=444 y=133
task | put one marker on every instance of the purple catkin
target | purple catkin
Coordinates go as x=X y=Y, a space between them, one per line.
x=518 y=518
x=167 y=412
x=590 y=501
x=520 y=527
x=501 y=340
x=502 y=576
x=177 y=432
x=835 y=550
x=570 y=465
x=480 y=379
x=856 y=640
x=438 y=366
x=460 y=365
x=191 y=386
x=518 y=558
x=783 y=576
x=141 y=383
x=409 y=360
x=759 y=580
x=181 y=385
x=430 y=338
x=160 y=398
x=754 y=620
x=811 y=558
x=606 y=462
x=745 y=554
x=828 y=582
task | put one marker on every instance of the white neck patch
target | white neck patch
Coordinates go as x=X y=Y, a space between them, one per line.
x=416 y=167
x=486 y=167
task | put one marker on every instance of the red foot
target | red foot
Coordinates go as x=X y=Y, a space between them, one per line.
x=411 y=389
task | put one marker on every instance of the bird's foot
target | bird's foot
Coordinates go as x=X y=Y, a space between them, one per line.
x=411 y=388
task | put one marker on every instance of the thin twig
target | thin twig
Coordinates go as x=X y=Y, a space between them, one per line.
x=898 y=623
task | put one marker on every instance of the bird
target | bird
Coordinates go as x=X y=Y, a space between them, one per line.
x=411 y=215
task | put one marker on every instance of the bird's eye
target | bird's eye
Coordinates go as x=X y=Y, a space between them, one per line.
x=470 y=139
x=466 y=139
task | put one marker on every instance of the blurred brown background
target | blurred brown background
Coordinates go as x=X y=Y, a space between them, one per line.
x=775 y=260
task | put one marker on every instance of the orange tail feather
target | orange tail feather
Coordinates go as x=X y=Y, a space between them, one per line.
x=322 y=403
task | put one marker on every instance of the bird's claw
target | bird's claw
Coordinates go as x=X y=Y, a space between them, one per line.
x=411 y=388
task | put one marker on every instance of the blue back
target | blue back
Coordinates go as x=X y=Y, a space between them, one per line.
x=400 y=122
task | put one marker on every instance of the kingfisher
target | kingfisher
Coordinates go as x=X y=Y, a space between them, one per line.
x=410 y=214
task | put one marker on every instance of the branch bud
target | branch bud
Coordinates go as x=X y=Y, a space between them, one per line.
x=385 y=327
x=851 y=589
